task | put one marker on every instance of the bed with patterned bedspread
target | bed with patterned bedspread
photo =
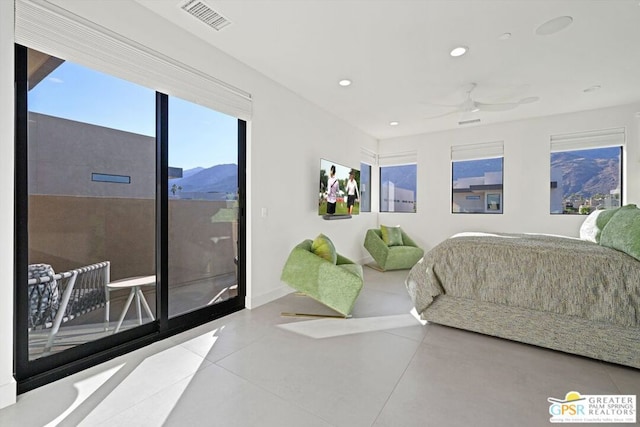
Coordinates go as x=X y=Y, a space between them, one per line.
x=558 y=292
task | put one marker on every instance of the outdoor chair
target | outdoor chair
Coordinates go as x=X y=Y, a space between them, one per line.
x=58 y=298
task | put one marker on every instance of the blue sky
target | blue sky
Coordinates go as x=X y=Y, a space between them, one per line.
x=198 y=136
x=475 y=168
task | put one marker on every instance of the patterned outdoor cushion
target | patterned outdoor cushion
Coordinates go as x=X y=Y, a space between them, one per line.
x=44 y=296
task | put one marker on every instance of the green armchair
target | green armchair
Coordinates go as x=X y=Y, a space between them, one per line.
x=400 y=257
x=335 y=285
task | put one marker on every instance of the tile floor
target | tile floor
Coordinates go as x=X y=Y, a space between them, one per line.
x=245 y=370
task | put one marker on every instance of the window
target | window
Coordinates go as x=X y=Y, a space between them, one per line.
x=86 y=244
x=584 y=180
x=477 y=178
x=82 y=124
x=586 y=171
x=203 y=206
x=365 y=187
x=398 y=188
x=104 y=177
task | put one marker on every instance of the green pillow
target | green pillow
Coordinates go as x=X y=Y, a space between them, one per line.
x=622 y=231
x=602 y=219
x=591 y=228
x=392 y=236
x=323 y=247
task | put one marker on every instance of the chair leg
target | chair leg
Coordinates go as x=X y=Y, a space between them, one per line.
x=327 y=316
x=107 y=308
x=219 y=295
x=124 y=310
x=375 y=266
x=138 y=310
x=60 y=314
x=145 y=304
x=323 y=316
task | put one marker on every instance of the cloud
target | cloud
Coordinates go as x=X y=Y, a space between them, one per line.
x=55 y=80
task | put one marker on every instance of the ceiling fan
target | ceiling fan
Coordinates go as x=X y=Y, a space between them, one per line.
x=470 y=105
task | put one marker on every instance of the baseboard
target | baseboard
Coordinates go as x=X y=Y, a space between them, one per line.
x=8 y=393
x=257 y=301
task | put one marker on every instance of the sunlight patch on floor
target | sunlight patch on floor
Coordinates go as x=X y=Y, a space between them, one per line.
x=85 y=389
x=325 y=328
x=175 y=367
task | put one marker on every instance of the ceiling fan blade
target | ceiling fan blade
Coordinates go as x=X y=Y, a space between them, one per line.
x=506 y=105
x=497 y=107
x=529 y=100
x=440 y=105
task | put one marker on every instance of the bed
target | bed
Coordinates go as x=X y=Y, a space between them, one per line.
x=563 y=293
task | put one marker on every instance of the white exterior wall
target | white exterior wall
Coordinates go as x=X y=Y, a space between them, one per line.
x=526 y=174
x=396 y=199
x=468 y=182
x=557 y=205
x=492 y=178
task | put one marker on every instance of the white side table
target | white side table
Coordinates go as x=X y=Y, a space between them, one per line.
x=134 y=284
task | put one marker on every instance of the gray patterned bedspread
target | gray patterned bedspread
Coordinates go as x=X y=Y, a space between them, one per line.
x=535 y=271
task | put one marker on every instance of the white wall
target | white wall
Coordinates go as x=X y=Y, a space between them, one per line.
x=526 y=174
x=289 y=136
x=7 y=383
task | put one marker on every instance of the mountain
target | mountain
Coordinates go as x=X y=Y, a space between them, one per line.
x=216 y=179
x=588 y=175
x=584 y=172
x=187 y=173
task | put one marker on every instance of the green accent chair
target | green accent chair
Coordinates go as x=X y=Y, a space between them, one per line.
x=335 y=285
x=402 y=257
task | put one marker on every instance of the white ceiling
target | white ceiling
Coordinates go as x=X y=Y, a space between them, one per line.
x=397 y=54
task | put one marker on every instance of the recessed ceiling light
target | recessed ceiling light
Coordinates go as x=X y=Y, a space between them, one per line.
x=459 y=51
x=592 y=88
x=553 y=26
x=504 y=36
x=344 y=82
x=394 y=123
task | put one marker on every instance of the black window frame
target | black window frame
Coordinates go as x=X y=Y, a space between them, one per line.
x=368 y=190
x=31 y=374
x=554 y=184
x=380 y=199
x=501 y=207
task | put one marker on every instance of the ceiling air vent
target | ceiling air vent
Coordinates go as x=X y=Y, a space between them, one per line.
x=468 y=122
x=204 y=13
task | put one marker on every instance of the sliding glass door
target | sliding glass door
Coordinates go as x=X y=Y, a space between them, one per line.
x=203 y=207
x=91 y=203
x=128 y=216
